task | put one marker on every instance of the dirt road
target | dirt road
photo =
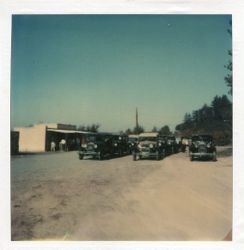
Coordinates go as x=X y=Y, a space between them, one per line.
x=58 y=197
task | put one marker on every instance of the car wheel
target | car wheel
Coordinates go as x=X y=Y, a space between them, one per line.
x=134 y=157
x=157 y=156
x=100 y=156
x=163 y=154
x=191 y=158
x=214 y=156
x=81 y=157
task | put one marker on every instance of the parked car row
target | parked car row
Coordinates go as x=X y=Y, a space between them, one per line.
x=146 y=145
x=107 y=145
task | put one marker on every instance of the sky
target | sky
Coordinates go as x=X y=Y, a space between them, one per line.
x=84 y=69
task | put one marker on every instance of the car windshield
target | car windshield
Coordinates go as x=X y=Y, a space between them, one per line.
x=94 y=138
x=117 y=138
x=132 y=139
x=202 y=138
x=148 y=138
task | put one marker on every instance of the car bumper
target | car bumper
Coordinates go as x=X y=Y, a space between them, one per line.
x=202 y=155
x=88 y=153
x=147 y=154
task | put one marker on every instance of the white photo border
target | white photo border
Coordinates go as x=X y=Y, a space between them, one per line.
x=234 y=8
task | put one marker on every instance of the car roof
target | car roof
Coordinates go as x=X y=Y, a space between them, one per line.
x=148 y=134
x=202 y=135
x=133 y=136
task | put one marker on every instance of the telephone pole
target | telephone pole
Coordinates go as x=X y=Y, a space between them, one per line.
x=137 y=124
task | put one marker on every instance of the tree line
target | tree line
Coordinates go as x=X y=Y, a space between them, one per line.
x=164 y=130
x=215 y=119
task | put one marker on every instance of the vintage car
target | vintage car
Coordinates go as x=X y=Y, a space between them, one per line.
x=172 y=144
x=184 y=144
x=202 y=146
x=150 y=145
x=97 y=145
x=132 y=142
x=120 y=144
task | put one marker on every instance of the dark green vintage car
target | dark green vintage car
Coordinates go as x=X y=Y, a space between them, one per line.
x=150 y=145
x=97 y=145
x=202 y=146
x=120 y=144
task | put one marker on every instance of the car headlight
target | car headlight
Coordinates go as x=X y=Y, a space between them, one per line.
x=194 y=144
x=209 y=145
x=151 y=145
x=95 y=145
x=132 y=144
x=115 y=144
x=159 y=144
x=139 y=146
x=84 y=145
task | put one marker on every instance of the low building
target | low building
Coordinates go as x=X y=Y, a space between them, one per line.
x=38 y=138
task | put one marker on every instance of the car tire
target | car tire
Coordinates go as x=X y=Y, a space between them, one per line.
x=81 y=157
x=100 y=156
x=134 y=157
x=163 y=154
x=214 y=157
x=191 y=158
x=157 y=156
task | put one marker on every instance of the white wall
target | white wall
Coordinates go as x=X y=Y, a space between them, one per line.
x=32 y=139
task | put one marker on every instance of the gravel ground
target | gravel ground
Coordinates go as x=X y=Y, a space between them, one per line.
x=56 y=196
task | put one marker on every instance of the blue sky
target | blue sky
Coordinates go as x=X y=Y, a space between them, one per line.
x=83 y=69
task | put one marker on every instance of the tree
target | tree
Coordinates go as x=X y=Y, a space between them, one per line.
x=128 y=131
x=165 y=130
x=206 y=113
x=222 y=108
x=154 y=129
x=138 y=129
x=196 y=117
x=187 y=118
x=228 y=66
x=91 y=128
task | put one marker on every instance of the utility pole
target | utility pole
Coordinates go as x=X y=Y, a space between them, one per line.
x=137 y=124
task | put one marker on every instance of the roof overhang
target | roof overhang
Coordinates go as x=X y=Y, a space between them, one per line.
x=63 y=131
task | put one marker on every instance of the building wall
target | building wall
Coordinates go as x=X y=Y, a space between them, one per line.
x=32 y=139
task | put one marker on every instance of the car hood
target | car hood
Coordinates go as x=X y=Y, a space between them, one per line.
x=200 y=143
x=93 y=143
x=147 y=143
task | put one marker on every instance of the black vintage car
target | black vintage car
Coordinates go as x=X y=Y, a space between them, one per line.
x=172 y=144
x=150 y=145
x=99 y=146
x=120 y=144
x=184 y=144
x=202 y=146
x=132 y=142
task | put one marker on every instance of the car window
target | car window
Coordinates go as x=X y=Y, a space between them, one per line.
x=148 y=138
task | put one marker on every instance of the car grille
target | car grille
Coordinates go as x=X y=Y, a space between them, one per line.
x=90 y=147
x=145 y=149
x=202 y=149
